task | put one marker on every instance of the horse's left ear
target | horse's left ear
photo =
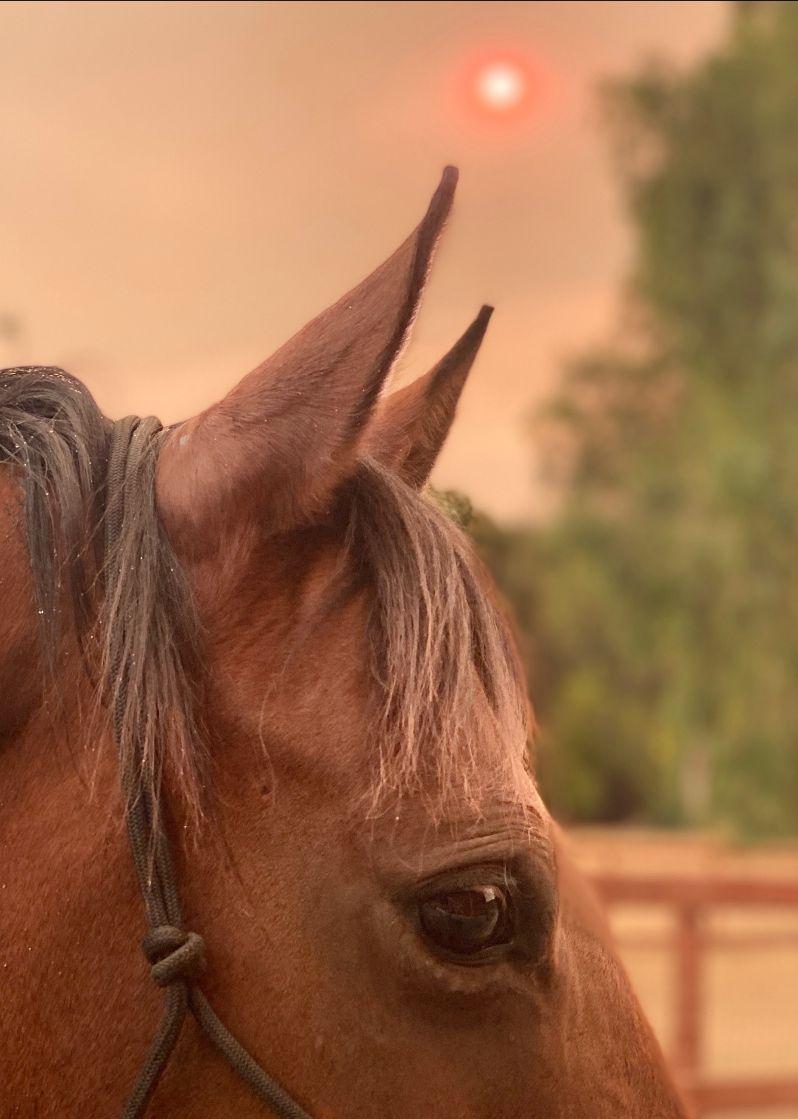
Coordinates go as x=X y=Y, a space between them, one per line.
x=411 y=425
x=273 y=452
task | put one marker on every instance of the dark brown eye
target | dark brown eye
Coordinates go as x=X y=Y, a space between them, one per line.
x=467 y=922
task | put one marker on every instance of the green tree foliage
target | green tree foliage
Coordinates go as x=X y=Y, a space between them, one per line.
x=661 y=602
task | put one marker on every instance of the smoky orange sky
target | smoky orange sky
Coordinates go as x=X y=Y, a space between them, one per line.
x=183 y=185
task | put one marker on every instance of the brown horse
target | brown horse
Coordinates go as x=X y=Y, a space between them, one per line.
x=325 y=697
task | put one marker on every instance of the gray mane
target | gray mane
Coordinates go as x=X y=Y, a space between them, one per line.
x=128 y=604
x=54 y=433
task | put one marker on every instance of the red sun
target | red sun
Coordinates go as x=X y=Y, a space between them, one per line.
x=500 y=85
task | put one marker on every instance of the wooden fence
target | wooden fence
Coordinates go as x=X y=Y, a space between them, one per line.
x=691 y=900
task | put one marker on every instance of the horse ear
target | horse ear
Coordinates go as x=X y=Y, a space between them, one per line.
x=410 y=426
x=276 y=447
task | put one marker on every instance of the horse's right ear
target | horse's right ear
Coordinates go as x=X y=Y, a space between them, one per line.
x=276 y=447
x=411 y=425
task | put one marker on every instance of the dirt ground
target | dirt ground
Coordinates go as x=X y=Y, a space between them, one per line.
x=750 y=991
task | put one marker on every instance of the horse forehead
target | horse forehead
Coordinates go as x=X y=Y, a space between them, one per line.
x=495 y=825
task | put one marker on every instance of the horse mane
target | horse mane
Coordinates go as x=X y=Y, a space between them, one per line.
x=131 y=610
x=435 y=632
x=437 y=636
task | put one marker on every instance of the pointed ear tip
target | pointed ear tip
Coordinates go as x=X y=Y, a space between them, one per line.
x=480 y=323
x=444 y=194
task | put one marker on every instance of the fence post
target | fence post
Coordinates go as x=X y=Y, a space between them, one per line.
x=689 y=991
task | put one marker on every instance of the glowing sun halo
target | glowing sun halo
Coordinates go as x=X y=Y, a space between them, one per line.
x=500 y=86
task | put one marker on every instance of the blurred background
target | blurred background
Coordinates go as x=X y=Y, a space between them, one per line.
x=183 y=185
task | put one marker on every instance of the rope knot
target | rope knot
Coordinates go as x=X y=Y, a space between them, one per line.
x=174 y=955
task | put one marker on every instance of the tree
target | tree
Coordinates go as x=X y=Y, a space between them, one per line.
x=665 y=591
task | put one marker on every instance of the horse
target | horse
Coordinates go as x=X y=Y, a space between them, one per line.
x=263 y=621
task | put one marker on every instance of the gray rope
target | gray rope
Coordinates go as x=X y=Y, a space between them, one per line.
x=175 y=956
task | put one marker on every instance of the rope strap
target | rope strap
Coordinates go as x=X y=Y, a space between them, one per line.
x=175 y=956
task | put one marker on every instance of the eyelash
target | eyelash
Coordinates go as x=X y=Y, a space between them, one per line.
x=463 y=878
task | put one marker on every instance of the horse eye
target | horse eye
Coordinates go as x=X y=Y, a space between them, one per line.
x=467 y=922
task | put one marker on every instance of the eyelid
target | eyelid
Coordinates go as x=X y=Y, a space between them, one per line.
x=462 y=878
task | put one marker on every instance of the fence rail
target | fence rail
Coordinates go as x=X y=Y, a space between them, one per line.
x=691 y=899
